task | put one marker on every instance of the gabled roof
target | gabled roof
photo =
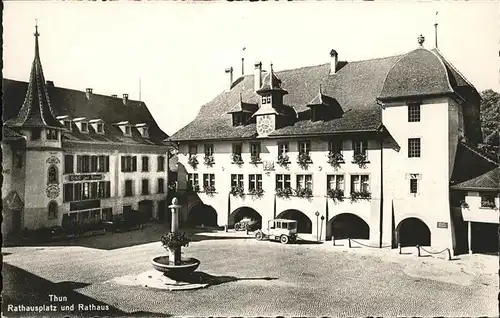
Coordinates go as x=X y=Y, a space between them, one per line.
x=487 y=181
x=36 y=110
x=470 y=163
x=244 y=107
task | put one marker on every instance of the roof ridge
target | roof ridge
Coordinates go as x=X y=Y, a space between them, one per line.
x=390 y=69
x=445 y=70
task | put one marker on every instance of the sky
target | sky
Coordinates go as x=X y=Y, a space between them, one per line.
x=178 y=51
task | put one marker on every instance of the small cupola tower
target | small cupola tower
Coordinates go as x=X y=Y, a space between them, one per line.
x=271 y=107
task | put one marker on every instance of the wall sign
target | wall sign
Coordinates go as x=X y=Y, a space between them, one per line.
x=52 y=160
x=84 y=205
x=52 y=191
x=442 y=225
x=82 y=177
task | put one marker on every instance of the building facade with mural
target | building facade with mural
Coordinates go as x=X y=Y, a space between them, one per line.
x=363 y=150
x=73 y=157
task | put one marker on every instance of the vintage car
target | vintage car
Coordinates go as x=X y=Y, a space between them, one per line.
x=246 y=224
x=282 y=230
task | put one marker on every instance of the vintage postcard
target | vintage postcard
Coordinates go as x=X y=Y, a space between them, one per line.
x=222 y=159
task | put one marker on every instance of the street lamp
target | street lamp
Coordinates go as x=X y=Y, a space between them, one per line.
x=317 y=225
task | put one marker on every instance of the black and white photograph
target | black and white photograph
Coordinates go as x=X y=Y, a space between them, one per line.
x=237 y=159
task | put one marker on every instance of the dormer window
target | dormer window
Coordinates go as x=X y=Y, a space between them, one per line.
x=125 y=127
x=266 y=99
x=84 y=127
x=143 y=129
x=67 y=124
x=66 y=121
x=240 y=119
x=97 y=125
x=128 y=131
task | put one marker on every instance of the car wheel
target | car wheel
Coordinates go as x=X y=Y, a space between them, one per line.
x=259 y=236
x=245 y=227
x=284 y=239
x=236 y=227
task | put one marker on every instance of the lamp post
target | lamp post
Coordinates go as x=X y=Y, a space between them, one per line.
x=317 y=225
x=321 y=228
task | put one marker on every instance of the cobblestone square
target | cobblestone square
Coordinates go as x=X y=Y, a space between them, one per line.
x=256 y=279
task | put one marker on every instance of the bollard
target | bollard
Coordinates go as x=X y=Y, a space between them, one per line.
x=449 y=254
x=399 y=247
x=418 y=251
x=349 y=240
x=225 y=228
x=247 y=229
x=333 y=240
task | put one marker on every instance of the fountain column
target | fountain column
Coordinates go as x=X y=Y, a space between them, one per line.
x=174 y=254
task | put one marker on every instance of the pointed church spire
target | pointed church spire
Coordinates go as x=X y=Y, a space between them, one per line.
x=36 y=110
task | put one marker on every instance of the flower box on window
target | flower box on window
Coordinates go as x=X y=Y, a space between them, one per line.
x=255 y=159
x=360 y=159
x=236 y=158
x=209 y=160
x=209 y=189
x=303 y=159
x=283 y=160
x=464 y=205
x=256 y=192
x=193 y=161
x=360 y=195
x=335 y=159
x=336 y=194
x=284 y=193
x=195 y=188
x=304 y=193
x=237 y=191
x=488 y=204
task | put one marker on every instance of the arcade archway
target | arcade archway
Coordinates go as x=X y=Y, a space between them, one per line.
x=347 y=225
x=244 y=212
x=202 y=214
x=304 y=224
x=412 y=232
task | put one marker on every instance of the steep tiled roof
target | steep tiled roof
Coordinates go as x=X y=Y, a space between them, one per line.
x=74 y=103
x=36 y=110
x=354 y=90
x=9 y=134
x=469 y=164
x=487 y=181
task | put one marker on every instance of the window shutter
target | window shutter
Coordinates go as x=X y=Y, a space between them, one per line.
x=106 y=163
x=78 y=163
x=134 y=163
x=123 y=164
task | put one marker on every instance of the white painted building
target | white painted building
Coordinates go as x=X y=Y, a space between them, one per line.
x=372 y=147
x=72 y=158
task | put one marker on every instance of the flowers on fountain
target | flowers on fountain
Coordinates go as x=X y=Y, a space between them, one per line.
x=193 y=161
x=175 y=240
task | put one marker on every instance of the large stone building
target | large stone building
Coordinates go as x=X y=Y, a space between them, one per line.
x=73 y=158
x=365 y=149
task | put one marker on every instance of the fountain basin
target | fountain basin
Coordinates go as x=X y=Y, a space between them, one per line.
x=187 y=266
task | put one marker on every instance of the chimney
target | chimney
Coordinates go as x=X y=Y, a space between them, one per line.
x=88 y=93
x=334 y=58
x=257 y=79
x=229 y=71
x=125 y=99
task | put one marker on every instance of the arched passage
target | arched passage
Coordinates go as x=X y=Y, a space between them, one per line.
x=245 y=212
x=304 y=224
x=202 y=214
x=412 y=232
x=347 y=225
